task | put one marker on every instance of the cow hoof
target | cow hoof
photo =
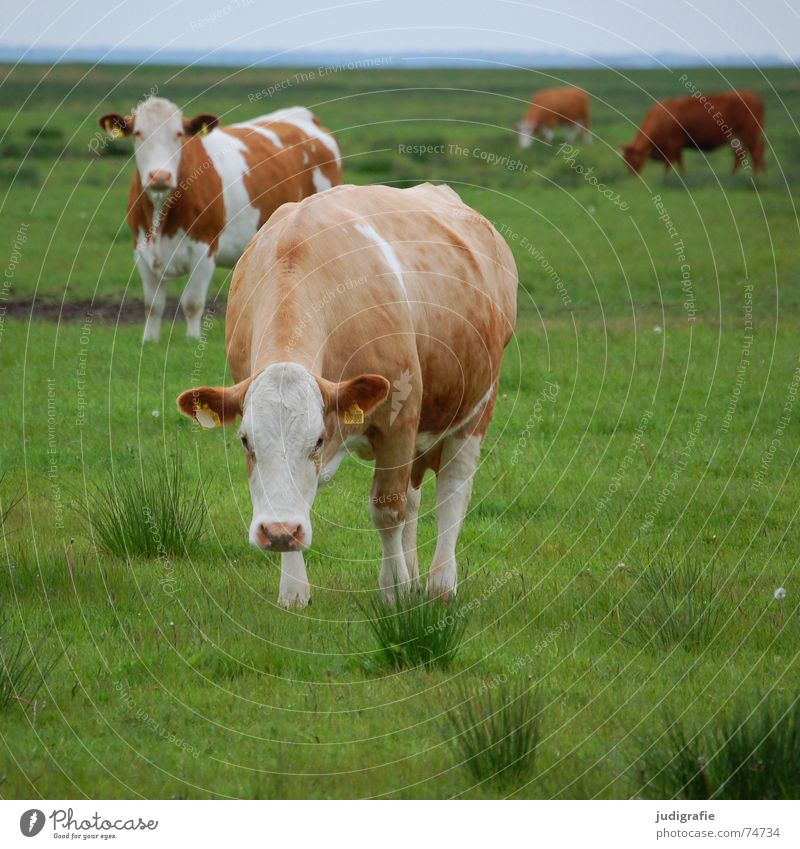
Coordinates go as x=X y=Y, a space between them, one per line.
x=441 y=586
x=296 y=600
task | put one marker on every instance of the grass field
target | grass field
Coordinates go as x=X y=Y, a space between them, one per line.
x=634 y=513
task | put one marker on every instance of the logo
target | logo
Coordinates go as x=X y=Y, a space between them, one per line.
x=31 y=822
x=402 y=389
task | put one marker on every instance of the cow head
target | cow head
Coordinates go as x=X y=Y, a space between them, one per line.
x=634 y=157
x=159 y=131
x=525 y=133
x=290 y=421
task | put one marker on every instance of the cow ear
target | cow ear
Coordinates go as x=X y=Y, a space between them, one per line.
x=200 y=125
x=212 y=406
x=116 y=125
x=354 y=399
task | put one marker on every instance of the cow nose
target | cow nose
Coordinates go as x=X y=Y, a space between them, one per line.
x=159 y=179
x=280 y=536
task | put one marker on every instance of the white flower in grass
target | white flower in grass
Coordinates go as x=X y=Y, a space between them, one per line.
x=780 y=594
x=657 y=329
x=155 y=414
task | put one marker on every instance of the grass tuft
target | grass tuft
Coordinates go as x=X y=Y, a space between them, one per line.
x=673 y=604
x=497 y=731
x=152 y=512
x=415 y=631
x=753 y=754
x=23 y=670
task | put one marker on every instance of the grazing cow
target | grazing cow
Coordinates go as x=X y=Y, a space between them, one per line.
x=200 y=191
x=734 y=118
x=552 y=107
x=340 y=301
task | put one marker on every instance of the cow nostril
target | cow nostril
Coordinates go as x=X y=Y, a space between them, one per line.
x=297 y=532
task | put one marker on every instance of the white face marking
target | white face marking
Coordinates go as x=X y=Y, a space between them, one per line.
x=525 y=134
x=321 y=182
x=387 y=250
x=158 y=132
x=263 y=131
x=226 y=153
x=303 y=119
x=283 y=422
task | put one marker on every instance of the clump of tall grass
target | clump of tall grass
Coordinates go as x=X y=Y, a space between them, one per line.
x=415 y=630
x=754 y=753
x=672 y=604
x=496 y=732
x=7 y=504
x=152 y=512
x=23 y=670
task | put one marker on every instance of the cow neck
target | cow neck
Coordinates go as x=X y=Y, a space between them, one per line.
x=290 y=333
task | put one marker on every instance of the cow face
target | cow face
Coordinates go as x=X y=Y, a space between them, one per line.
x=634 y=157
x=289 y=417
x=525 y=132
x=159 y=131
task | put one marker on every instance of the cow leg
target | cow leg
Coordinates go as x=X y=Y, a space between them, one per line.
x=457 y=466
x=587 y=134
x=388 y=502
x=295 y=591
x=573 y=132
x=547 y=134
x=410 y=534
x=155 y=300
x=193 y=301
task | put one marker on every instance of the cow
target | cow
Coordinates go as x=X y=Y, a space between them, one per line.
x=706 y=122
x=341 y=301
x=201 y=191
x=551 y=107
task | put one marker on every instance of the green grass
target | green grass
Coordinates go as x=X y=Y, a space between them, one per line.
x=753 y=753
x=149 y=512
x=624 y=432
x=495 y=731
x=415 y=631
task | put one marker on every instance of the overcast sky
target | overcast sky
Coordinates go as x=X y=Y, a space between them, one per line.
x=706 y=28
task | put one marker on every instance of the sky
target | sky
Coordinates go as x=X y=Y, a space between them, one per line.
x=703 y=28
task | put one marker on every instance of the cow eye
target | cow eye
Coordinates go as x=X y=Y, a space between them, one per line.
x=245 y=443
x=137 y=133
x=319 y=444
x=179 y=134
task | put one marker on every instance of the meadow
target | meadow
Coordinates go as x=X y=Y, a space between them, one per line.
x=632 y=520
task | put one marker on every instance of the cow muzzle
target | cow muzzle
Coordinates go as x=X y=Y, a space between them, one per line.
x=160 y=181
x=280 y=536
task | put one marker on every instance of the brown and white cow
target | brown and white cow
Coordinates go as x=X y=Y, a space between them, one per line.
x=201 y=191
x=705 y=122
x=553 y=107
x=373 y=320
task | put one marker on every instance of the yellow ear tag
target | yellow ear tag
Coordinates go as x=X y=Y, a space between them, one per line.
x=203 y=131
x=117 y=133
x=355 y=415
x=206 y=417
